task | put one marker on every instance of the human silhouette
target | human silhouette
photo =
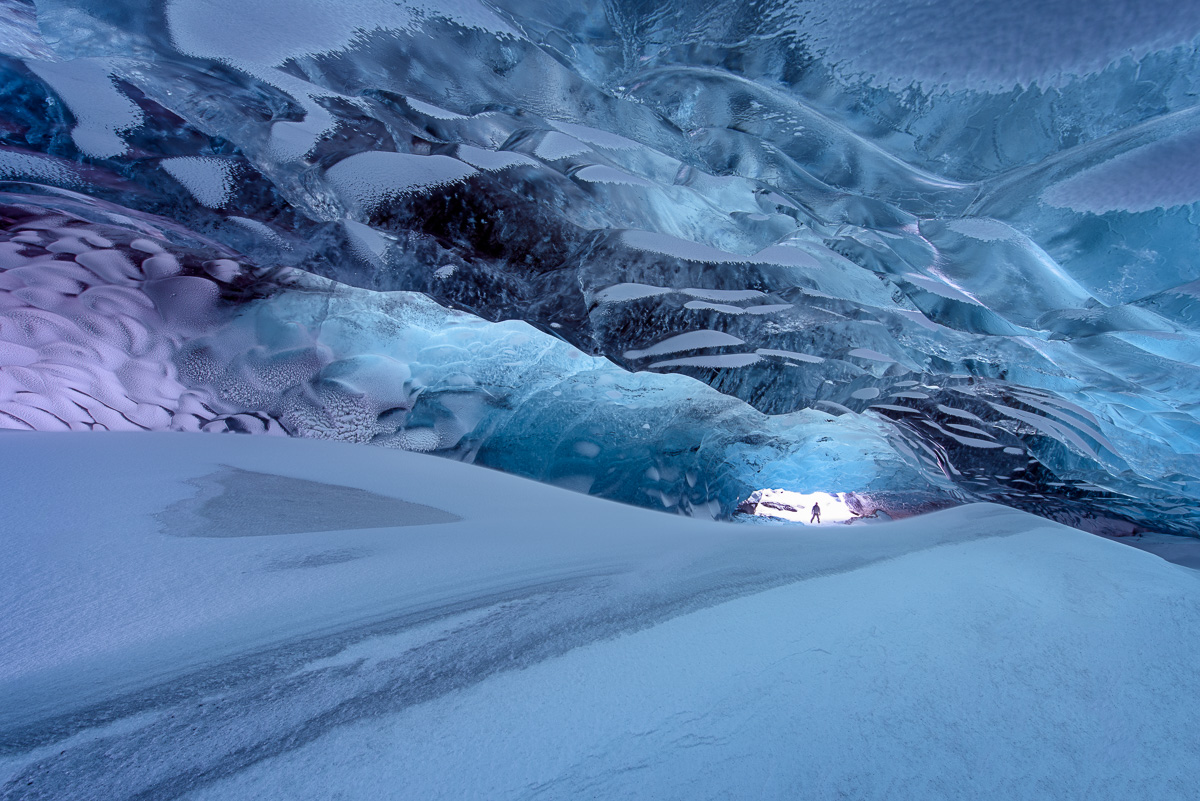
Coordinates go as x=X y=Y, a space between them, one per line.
x=816 y=513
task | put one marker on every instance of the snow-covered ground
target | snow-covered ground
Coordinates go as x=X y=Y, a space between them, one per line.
x=219 y=617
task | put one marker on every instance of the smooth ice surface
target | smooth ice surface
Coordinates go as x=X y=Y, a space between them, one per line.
x=546 y=644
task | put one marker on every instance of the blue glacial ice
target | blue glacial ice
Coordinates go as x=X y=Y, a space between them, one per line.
x=669 y=256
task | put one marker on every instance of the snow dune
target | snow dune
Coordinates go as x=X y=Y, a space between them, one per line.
x=226 y=617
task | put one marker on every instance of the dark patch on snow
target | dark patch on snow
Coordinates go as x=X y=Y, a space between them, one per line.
x=232 y=502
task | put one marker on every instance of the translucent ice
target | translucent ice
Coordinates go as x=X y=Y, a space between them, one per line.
x=760 y=224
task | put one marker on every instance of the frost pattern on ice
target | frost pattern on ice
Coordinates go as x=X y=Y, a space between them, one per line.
x=369 y=180
x=990 y=46
x=209 y=180
x=102 y=113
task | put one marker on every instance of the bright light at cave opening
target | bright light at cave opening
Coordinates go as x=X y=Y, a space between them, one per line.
x=797 y=506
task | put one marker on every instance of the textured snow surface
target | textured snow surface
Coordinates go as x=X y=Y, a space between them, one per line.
x=454 y=632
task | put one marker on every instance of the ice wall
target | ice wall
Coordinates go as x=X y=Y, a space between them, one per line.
x=954 y=264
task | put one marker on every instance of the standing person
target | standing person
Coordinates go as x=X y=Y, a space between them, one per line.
x=816 y=513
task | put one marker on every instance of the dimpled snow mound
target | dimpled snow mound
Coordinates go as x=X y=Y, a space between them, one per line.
x=92 y=317
x=954 y=239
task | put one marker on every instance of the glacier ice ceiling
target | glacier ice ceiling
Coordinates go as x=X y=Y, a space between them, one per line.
x=919 y=253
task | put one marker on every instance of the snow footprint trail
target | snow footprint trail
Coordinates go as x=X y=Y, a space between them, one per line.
x=200 y=692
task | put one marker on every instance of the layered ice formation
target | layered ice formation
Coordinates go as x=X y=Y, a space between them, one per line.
x=909 y=254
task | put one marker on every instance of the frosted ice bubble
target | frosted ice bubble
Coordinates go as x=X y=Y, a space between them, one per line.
x=101 y=111
x=1163 y=174
x=991 y=47
x=369 y=180
x=208 y=179
x=692 y=340
x=719 y=361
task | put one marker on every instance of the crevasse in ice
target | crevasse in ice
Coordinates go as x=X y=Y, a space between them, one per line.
x=664 y=255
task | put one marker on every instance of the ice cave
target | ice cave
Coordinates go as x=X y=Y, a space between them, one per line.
x=517 y=399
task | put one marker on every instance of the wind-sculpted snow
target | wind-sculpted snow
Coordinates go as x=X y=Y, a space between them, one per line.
x=690 y=254
x=215 y=617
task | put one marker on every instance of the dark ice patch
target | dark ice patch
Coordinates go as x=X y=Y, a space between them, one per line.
x=232 y=502
x=334 y=557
